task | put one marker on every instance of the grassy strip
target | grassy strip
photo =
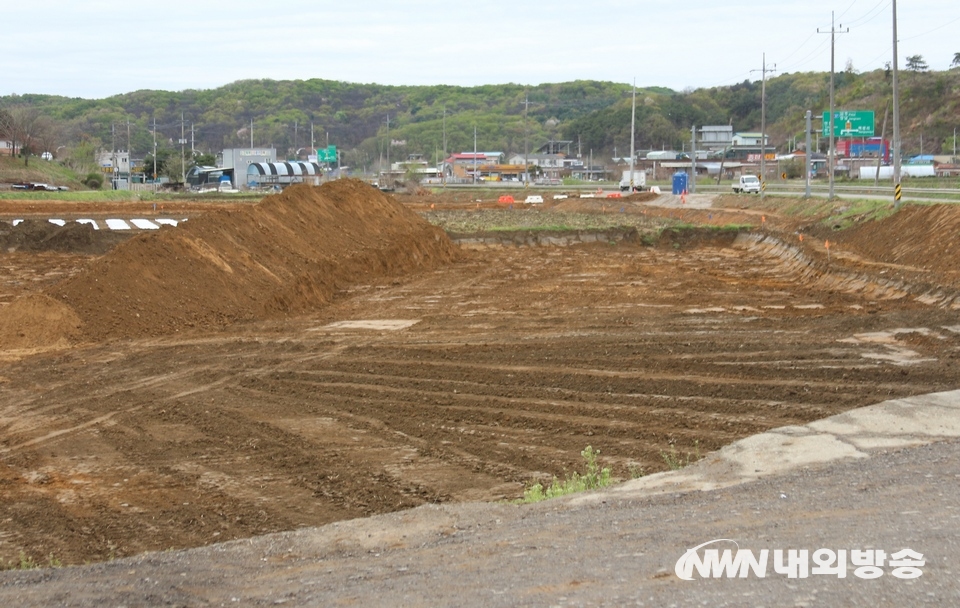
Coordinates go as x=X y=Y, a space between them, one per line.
x=26 y=562
x=593 y=479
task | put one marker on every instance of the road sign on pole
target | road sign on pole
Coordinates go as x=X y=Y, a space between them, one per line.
x=327 y=155
x=850 y=123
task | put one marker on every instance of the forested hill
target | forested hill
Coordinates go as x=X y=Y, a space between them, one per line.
x=594 y=115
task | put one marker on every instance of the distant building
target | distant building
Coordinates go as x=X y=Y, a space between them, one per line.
x=416 y=165
x=869 y=147
x=6 y=148
x=551 y=165
x=715 y=138
x=749 y=139
x=116 y=165
x=465 y=166
x=240 y=159
x=283 y=174
x=747 y=147
x=556 y=147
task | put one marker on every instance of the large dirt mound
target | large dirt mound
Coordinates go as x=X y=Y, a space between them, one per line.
x=918 y=236
x=291 y=252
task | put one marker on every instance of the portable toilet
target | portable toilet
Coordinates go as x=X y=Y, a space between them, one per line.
x=679 y=182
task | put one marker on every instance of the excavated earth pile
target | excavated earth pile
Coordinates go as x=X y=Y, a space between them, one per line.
x=289 y=253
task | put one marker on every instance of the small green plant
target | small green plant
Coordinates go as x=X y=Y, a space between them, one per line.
x=25 y=562
x=677 y=460
x=593 y=479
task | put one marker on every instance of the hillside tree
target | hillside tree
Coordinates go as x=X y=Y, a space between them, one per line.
x=956 y=60
x=917 y=64
x=23 y=125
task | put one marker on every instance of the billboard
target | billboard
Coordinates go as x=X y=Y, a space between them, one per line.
x=850 y=123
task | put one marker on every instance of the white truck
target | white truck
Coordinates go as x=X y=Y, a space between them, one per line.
x=747 y=184
x=639 y=181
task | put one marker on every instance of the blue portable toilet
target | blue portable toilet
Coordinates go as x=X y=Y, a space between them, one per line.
x=679 y=182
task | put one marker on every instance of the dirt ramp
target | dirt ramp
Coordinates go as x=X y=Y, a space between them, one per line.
x=289 y=253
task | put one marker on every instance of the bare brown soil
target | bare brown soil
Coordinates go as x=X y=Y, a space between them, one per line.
x=327 y=354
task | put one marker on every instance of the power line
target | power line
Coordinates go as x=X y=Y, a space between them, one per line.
x=931 y=31
x=847 y=9
x=871 y=14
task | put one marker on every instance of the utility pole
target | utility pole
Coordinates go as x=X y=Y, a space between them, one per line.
x=474 y=154
x=526 y=162
x=154 y=153
x=831 y=152
x=443 y=173
x=388 y=149
x=251 y=133
x=883 y=136
x=808 y=160
x=113 y=149
x=896 y=115
x=183 y=141
x=763 y=123
x=193 y=142
x=633 y=120
x=313 y=146
x=693 y=159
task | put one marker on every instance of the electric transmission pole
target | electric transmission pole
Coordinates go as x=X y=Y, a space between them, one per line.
x=633 y=120
x=831 y=152
x=896 y=115
x=763 y=123
x=526 y=162
x=443 y=171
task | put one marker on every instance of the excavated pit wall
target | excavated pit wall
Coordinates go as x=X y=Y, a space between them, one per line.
x=830 y=274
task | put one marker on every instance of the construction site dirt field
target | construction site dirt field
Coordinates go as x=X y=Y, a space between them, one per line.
x=146 y=420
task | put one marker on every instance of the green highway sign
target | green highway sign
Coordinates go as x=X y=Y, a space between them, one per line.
x=850 y=123
x=327 y=155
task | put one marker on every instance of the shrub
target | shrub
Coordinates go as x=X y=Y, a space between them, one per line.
x=93 y=180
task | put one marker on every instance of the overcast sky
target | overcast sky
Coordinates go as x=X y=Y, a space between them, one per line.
x=95 y=49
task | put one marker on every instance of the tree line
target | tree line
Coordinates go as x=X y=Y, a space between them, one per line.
x=363 y=119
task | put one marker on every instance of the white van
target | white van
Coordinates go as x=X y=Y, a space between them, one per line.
x=748 y=184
